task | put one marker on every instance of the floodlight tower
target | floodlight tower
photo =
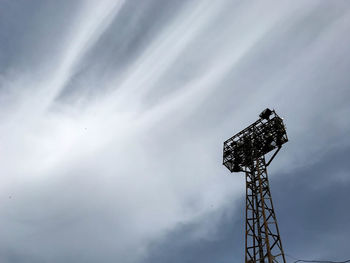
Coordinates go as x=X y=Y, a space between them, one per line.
x=245 y=152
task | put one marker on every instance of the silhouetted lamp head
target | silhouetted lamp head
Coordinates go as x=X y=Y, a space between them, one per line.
x=256 y=140
x=266 y=114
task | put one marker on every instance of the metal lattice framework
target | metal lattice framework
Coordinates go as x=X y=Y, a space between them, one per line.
x=245 y=152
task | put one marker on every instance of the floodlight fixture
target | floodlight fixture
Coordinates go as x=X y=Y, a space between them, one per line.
x=266 y=134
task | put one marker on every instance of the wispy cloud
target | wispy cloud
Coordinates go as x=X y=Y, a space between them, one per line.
x=99 y=176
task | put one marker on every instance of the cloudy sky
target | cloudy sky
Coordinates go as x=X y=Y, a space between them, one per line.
x=113 y=114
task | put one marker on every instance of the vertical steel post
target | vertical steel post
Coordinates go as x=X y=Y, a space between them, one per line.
x=263 y=242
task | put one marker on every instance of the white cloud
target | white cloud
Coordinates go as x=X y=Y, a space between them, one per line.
x=107 y=176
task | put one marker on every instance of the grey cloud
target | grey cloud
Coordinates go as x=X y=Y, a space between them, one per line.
x=131 y=31
x=135 y=174
x=311 y=206
x=31 y=32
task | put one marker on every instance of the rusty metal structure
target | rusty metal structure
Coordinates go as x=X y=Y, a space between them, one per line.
x=246 y=152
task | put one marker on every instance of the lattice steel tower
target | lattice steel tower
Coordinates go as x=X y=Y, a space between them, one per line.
x=245 y=152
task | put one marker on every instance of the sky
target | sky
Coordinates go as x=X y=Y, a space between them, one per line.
x=113 y=115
